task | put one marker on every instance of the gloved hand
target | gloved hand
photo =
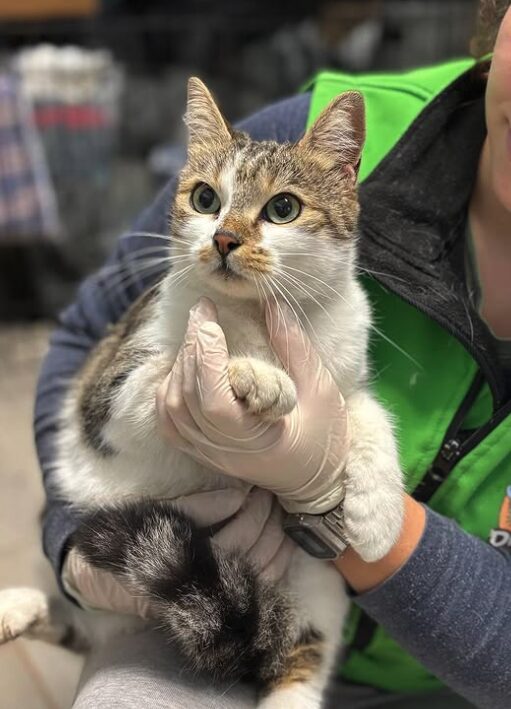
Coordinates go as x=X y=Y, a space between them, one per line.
x=255 y=530
x=300 y=457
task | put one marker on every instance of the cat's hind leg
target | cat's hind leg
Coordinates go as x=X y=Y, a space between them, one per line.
x=321 y=605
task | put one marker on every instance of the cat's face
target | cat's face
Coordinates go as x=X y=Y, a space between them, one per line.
x=258 y=218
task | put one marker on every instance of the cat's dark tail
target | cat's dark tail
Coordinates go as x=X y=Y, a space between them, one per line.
x=224 y=618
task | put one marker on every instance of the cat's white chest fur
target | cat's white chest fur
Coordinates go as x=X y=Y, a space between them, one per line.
x=242 y=322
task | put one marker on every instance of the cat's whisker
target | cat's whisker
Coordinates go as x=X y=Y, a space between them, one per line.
x=280 y=314
x=260 y=295
x=373 y=327
x=319 y=280
x=132 y=264
x=377 y=331
x=147 y=249
x=148 y=234
x=153 y=235
x=321 y=293
x=170 y=240
x=149 y=269
x=130 y=275
x=311 y=326
x=362 y=271
x=181 y=276
x=308 y=255
x=108 y=282
x=286 y=300
x=133 y=261
x=266 y=304
x=296 y=283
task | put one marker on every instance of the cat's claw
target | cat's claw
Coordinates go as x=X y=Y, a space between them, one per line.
x=267 y=390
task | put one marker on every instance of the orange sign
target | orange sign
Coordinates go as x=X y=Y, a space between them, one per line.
x=501 y=537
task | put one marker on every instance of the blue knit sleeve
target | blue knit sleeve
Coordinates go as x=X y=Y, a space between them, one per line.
x=448 y=606
x=101 y=300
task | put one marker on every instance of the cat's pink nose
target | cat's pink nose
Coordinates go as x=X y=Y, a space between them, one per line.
x=225 y=243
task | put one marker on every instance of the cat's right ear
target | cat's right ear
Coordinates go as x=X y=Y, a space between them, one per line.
x=338 y=133
x=203 y=118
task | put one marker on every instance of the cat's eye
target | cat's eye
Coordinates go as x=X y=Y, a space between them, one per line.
x=282 y=209
x=205 y=200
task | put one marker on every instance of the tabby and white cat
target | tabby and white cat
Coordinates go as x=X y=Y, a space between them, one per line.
x=250 y=221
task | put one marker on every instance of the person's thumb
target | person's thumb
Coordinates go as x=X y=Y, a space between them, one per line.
x=292 y=345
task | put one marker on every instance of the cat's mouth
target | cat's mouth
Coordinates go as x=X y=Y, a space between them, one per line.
x=224 y=271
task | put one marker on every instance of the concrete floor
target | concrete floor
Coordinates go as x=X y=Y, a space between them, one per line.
x=32 y=675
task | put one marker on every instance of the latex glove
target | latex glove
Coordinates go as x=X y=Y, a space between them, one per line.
x=301 y=457
x=255 y=530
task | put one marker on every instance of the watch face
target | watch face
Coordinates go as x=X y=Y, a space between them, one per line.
x=311 y=543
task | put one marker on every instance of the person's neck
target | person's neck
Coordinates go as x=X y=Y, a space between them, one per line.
x=490 y=224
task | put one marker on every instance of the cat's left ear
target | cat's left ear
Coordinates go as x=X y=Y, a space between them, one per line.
x=203 y=117
x=338 y=133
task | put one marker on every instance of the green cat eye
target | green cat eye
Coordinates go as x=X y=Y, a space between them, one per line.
x=205 y=200
x=282 y=208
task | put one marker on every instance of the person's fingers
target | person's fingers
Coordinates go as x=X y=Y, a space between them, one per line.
x=165 y=423
x=179 y=410
x=205 y=310
x=174 y=419
x=180 y=391
x=215 y=397
x=295 y=350
x=189 y=374
x=213 y=506
x=270 y=539
x=277 y=567
x=96 y=589
x=245 y=529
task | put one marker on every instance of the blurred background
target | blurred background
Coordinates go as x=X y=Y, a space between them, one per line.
x=92 y=95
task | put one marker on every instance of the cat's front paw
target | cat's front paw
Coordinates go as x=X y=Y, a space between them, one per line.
x=373 y=516
x=267 y=390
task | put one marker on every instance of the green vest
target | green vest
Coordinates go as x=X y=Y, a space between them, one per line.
x=423 y=375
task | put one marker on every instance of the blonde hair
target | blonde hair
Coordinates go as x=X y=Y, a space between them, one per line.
x=489 y=17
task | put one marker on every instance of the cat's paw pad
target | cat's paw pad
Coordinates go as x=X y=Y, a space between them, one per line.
x=20 y=610
x=267 y=390
x=373 y=520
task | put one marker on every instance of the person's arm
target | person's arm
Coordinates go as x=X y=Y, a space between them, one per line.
x=101 y=301
x=443 y=595
x=363 y=576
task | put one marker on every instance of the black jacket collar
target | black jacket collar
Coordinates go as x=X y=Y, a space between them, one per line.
x=413 y=214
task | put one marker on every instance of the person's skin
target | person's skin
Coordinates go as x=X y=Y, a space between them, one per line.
x=362 y=575
x=490 y=221
x=490 y=210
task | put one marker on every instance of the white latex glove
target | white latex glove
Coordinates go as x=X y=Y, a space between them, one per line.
x=301 y=457
x=255 y=530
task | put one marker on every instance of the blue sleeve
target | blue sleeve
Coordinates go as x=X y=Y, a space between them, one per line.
x=448 y=606
x=101 y=300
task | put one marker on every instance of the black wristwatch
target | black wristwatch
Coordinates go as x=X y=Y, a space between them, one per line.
x=322 y=536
